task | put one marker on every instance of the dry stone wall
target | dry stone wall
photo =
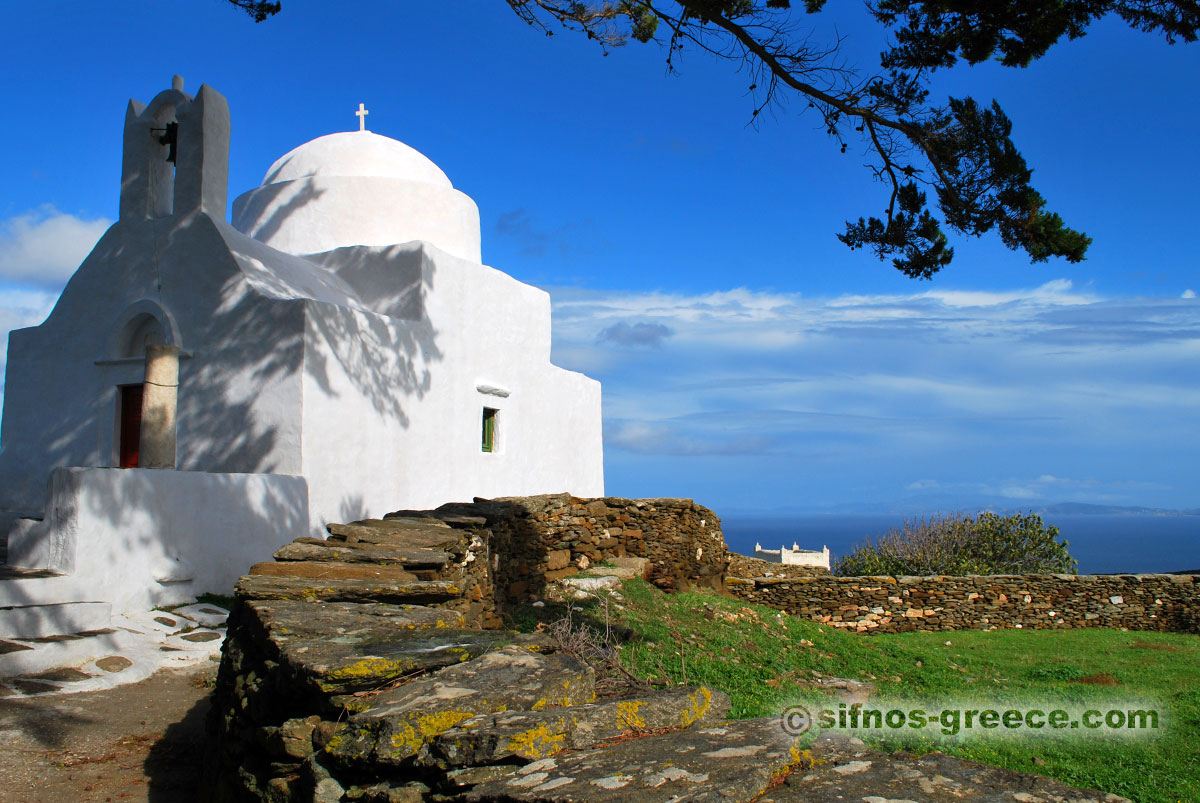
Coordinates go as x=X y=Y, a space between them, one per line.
x=536 y=540
x=895 y=604
x=745 y=566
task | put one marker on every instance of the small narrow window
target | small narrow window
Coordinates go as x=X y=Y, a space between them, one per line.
x=489 y=429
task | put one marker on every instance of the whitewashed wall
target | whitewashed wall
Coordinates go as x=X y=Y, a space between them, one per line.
x=239 y=370
x=143 y=537
x=395 y=406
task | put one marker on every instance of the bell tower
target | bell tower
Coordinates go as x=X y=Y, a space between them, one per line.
x=176 y=155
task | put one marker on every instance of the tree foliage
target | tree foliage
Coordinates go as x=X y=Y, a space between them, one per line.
x=259 y=10
x=959 y=545
x=944 y=167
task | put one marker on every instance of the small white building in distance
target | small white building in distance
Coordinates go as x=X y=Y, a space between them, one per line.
x=204 y=392
x=794 y=556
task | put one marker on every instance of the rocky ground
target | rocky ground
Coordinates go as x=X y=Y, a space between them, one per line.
x=137 y=742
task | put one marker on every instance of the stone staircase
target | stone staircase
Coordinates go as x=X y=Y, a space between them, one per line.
x=430 y=560
x=56 y=636
x=370 y=667
x=40 y=604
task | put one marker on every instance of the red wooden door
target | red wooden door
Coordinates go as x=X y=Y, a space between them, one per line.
x=131 y=424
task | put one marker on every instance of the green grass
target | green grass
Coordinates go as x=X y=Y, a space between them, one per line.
x=766 y=661
x=220 y=600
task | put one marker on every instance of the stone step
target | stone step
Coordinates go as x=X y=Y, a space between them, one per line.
x=53 y=619
x=331 y=570
x=341 y=648
x=283 y=619
x=340 y=551
x=401 y=721
x=39 y=587
x=337 y=590
x=339 y=667
x=392 y=522
x=533 y=735
x=401 y=537
x=733 y=762
x=448 y=517
x=20 y=573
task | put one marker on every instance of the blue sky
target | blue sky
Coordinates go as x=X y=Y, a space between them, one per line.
x=749 y=360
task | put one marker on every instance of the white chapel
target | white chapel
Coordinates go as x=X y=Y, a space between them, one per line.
x=206 y=391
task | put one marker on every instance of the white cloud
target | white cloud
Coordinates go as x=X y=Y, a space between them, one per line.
x=1020 y=492
x=1055 y=292
x=922 y=485
x=980 y=386
x=680 y=438
x=637 y=334
x=21 y=308
x=45 y=246
x=1188 y=293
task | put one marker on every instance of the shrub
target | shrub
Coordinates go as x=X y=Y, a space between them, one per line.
x=958 y=544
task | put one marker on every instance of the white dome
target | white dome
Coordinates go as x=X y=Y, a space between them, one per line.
x=357 y=188
x=356 y=154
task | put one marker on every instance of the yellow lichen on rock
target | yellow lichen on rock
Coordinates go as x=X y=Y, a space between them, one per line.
x=418 y=729
x=627 y=713
x=370 y=667
x=357 y=706
x=701 y=703
x=561 y=702
x=539 y=742
x=797 y=759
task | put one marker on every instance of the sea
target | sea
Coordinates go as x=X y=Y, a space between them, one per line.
x=1103 y=544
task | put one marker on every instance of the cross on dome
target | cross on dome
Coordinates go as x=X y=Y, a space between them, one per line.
x=362 y=117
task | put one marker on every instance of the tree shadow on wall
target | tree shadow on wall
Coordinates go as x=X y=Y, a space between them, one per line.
x=256 y=325
x=365 y=337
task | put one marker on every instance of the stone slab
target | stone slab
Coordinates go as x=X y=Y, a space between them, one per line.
x=342 y=648
x=316 y=590
x=623 y=568
x=332 y=570
x=400 y=520
x=736 y=761
x=340 y=551
x=204 y=614
x=113 y=663
x=447 y=516
x=400 y=534
x=845 y=769
x=592 y=584
x=532 y=735
x=401 y=720
x=336 y=619
x=64 y=674
x=347 y=664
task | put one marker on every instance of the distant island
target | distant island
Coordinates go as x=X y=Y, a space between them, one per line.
x=1086 y=509
x=927 y=505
